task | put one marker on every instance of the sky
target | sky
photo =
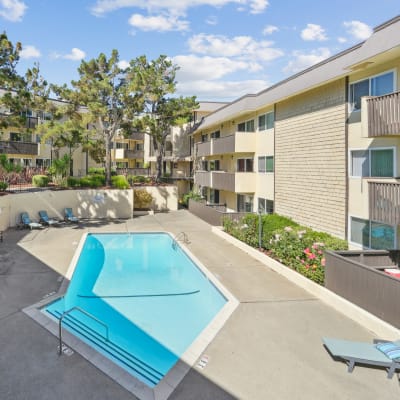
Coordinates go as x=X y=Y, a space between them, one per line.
x=224 y=48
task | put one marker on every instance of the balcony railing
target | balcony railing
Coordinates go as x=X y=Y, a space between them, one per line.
x=384 y=202
x=136 y=136
x=223 y=181
x=28 y=148
x=224 y=145
x=203 y=178
x=203 y=149
x=384 y=115
x=134 y=154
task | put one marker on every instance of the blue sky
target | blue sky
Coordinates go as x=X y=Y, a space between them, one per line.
x=224 y=48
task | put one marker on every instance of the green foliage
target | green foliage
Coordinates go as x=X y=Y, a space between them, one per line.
x=190 y=195
x=73 y=182
x=295 y=246
x=97 y=171
x=59 y=170
x=132 y=179
x=120 y=182
x=3 y=186
x=40 y=180
x=92 y=181
x=142 y=199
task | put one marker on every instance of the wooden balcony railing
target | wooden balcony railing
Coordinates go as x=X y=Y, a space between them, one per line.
x=384 y=115
x=223 y=181
x=28 y=148
x=203 y=178
x=224 y=145
x=384 y=202
x=203 y=149
x=134 y=154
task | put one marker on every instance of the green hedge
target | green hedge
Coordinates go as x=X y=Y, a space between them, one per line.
x=120 y=182
x=295 y=246
x=40 y=180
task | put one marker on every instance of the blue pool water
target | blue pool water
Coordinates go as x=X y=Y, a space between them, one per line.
x=146 y=298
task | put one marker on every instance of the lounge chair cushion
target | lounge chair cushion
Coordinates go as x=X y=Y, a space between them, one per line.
x=390 y=349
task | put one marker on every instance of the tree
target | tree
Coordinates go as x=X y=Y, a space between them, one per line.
x=152 y=82
x=103 y=90
x=19 y=94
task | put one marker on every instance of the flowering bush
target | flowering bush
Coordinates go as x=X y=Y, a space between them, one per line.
x=297 y=247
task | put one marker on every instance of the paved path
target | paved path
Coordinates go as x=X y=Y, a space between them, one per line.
x=270 y=348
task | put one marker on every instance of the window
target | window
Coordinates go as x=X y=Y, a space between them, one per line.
x=214 y=196
x=215 y=135
x=204 y=138
x=265 y=206
x=266 y=164
x=121 y=145
x=266 y=121
x=373 y=86
x=214 y=165
x=245 y=165
x=139 y=146
x=204 y=165
x=370 y=234
x=42 y=162
x=244 y=203
x=372 y=162
x=247 y=126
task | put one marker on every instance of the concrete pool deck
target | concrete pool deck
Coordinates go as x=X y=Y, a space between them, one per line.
x=270 y=348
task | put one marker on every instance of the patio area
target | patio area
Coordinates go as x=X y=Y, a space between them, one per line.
x=270 y=348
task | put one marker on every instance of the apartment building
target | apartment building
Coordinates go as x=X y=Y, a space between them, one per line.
x=321 y=147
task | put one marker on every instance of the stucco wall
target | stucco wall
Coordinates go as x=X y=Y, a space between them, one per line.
x=310 y=158
x=90 y=203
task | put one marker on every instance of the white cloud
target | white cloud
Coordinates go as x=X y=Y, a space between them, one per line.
x=29 y=52
x=194 y=68
x=12 y=10
x=302 y=61
x=123 y=64
x=358 y=30
x=313 y=32
x=173 y=7
x=243 y=47
x=220 y=90
x=75 y=55
x=342 y=39
x=159 y=23
x=270 y=29
x=212 y=20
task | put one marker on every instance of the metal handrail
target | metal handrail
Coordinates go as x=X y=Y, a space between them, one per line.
x=83 y=312
x=181 y=236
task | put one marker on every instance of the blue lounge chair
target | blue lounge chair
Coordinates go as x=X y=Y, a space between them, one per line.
x=381 y=354
x=69 y=215
x=46 y=220
x=28 y=223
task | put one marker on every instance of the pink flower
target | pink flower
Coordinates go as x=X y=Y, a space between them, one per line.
x=311 y=256
x=323 y=262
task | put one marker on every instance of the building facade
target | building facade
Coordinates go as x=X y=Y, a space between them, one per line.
x=321 y=147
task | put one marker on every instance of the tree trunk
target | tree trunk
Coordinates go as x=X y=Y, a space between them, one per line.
x=108 y=160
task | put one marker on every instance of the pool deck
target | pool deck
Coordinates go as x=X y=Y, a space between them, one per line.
x=270 y=348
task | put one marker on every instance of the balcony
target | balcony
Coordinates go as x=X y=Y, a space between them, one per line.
x=384 y=201
x=240 y=142
x=136 y=136
x=383 y=115
x=26 y=148
x=239 y=182
x=123 y=154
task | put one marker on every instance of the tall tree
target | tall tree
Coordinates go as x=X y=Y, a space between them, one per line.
x=19 y=94
x=103 y=90
x=153 y=82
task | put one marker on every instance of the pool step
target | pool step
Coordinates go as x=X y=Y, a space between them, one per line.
x=132 y=363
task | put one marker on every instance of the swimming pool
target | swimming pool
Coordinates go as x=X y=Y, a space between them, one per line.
x=139 y=299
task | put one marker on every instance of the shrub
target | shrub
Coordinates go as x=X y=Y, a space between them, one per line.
x=137 y=179
x=92 y=181
x=40 y=180
x=190 y=195
x=73 y=182
x=97 y=171
x=120 y=182
x=3 y=186
x=142 y=198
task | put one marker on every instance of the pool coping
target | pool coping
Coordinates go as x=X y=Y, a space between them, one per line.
x=175 y=375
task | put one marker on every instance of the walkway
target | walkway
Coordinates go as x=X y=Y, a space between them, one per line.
x=270 y=348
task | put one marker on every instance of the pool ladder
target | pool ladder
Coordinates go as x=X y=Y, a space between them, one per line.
x=83 y=312
x=180 y=237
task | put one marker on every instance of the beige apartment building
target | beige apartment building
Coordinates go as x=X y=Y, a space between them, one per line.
x=321 y=147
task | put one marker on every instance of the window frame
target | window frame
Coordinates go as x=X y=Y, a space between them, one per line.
x=266 y=171
x=369 y=150
x=265 y=127
x=370 y=223
x=245 y=123
x=246 y=159
x=369 y=78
